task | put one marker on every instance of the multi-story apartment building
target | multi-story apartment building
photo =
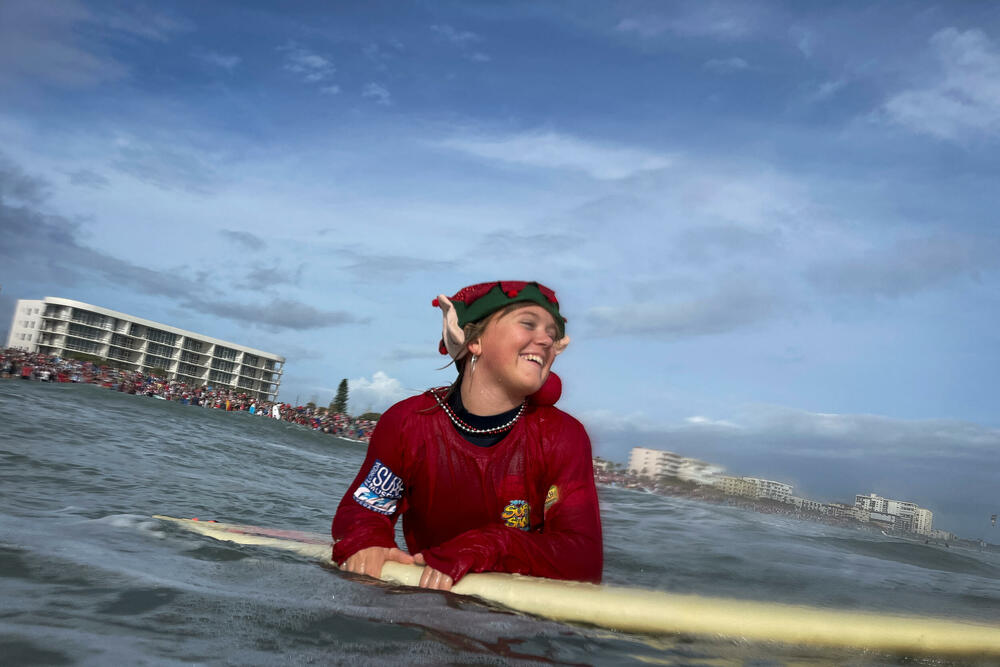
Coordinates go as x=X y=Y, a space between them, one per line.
x=736 y=486
x=908 y=516
x=59 y=326
x=754 y=487
x=699 y=472
x=806 y=504
x=654 y=463
x=770 y=489
x=647 y=462
x=842 y=511
x=923 y=521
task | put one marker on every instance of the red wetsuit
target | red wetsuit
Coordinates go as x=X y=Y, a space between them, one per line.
x=526 y=504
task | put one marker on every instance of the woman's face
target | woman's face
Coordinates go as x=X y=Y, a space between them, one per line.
x=516 y=350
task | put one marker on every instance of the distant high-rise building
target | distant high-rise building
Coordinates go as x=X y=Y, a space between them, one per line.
x=655 y=463
x=908 y=516
x=62 y=327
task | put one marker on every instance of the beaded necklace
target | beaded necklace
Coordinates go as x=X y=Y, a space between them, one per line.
x=460 y=424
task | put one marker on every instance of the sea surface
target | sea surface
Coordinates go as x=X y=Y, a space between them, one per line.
x=88 y=577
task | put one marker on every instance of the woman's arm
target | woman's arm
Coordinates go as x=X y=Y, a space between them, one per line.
x=367 y=514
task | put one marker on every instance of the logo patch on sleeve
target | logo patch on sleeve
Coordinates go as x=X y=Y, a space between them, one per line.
x=552 y=497
x=381 y=490
x=517 y=514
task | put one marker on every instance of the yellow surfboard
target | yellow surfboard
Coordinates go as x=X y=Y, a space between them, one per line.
x=657 y=612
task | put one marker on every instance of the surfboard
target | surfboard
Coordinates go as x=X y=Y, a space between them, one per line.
x=659 y=612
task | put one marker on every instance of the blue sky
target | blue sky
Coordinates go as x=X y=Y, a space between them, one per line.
x=772 y=226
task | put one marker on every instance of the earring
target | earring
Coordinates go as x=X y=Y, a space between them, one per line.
x=472 y=364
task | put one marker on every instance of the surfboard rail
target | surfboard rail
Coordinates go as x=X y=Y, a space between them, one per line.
x=659 y=612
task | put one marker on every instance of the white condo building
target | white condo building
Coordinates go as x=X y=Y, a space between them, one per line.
x=654 y=463
x=59 y=326
x=907 y=516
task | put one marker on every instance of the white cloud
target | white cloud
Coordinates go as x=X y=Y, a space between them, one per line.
x=312 y=67
x=698 y=420
x=827 y=89
x=378 y=93
x=717 y=20
x=459 y=37
x=733 y=304
x=726 y=65
x=376 y=394
x=964 y=98
x=558 y=151
x=330 y=90
x=225 y=61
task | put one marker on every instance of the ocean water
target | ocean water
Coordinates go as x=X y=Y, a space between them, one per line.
x=87 y=577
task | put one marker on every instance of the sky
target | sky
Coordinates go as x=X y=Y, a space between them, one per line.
x=772 y=226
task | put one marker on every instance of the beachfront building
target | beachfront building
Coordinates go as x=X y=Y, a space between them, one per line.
x=842 y=511
x=62 y=327
x=807 y=505
x=736 y=486
x=646 y=462
x=767 y=488
x=923 y=520
x=699 y=472
x=26 y=325
x=908 y=516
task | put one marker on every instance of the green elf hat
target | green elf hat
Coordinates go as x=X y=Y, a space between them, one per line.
x=473 y=303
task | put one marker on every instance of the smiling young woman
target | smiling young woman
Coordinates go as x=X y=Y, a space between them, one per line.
x=487 y=474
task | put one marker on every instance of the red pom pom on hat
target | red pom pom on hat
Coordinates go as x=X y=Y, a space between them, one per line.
x=549 y=393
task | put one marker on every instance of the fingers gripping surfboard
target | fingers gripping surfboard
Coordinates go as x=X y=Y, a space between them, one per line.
x=657 y=612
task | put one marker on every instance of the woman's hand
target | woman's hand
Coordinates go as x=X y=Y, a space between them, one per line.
x=369 y=561
x=431 y=578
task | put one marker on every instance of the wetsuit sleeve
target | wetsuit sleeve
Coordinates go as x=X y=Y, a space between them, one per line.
x=567 y=546
x=367 y=514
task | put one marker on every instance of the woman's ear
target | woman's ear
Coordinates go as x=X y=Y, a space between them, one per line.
x=476 y=347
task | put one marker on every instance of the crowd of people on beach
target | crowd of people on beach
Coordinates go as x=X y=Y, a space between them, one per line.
x=16 y=363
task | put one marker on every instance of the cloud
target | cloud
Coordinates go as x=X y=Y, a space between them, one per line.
x=166 y=167
x=263 y=277
x=145 y=23
x=718 y=20
x=525 y=244
x=726 y=65
x=376 y=394
x=380 y=57
x=87 y=178
x=245 y=239
x=47 y=248
x=827 y=89
x=964 y=97
x=17 y=184
x=60 y=42
x=558 y=151
x=732 y=305
x=278 y=314
x=332 y=89
x=221 y=60
x=412 y=352
x=699 y=420
x=369 y=266
x=309 y=66
x=378 y=93
x=907 y=267
x=724 y=242
x=479 y=57
x=459 y=37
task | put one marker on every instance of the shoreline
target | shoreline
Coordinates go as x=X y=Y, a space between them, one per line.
x=36 y=367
